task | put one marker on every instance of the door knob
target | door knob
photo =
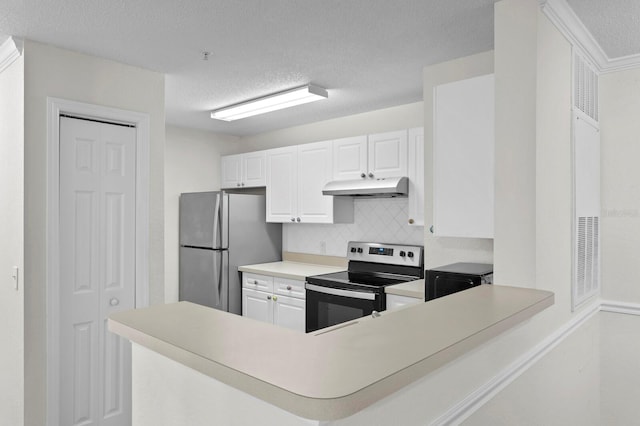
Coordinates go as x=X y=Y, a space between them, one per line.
x=114 y=301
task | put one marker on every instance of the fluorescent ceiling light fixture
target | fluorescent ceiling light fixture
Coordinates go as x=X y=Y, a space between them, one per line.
x=276 y=101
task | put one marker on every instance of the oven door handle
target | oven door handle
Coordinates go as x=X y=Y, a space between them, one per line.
x=340 y=292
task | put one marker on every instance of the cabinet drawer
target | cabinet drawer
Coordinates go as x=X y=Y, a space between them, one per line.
x=287 y=287
x=257 y=282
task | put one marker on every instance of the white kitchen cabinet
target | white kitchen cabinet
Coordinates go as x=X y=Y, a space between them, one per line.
x=387 y=154
x=289 y=312
x=395 y=301
x=379 y=155
x=416 y=176
x=350 y=158
x=275 y=300
x=243 y=170
x=295 y=178
x=257 y=305
x=463 y=158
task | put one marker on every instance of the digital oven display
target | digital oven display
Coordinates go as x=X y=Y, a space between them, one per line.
x=382 y=251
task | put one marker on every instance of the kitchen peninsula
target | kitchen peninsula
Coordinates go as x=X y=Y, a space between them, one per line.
x=316 y=378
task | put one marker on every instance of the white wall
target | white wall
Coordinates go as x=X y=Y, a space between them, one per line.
x=444 y=250
x=11 y=242
x=515 y=145
x=55 y=72
x=382 y=120
x=620 y=191
x=192 y=164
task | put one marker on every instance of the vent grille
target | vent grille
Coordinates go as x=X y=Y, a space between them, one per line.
x=587 y=258
x=585 y=87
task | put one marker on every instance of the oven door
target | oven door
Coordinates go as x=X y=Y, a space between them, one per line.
x=327 y=306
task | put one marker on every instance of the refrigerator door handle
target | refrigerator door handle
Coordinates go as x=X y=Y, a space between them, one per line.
x=224 y=221
x=216 y=223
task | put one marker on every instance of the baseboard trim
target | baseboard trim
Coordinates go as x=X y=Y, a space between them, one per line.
x=484 y=393
x=620 y=307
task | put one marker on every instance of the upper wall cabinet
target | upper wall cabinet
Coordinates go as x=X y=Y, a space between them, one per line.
x=295 y=178
x=416 y=176
x=368 y=157
x=387 y=154
x=350 y=158
x=243 y=170
x=463 y=158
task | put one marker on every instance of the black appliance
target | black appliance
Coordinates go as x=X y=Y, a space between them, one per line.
x=342 y=296
x=456 y=277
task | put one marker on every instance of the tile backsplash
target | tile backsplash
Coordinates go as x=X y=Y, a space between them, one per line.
x=375 y=219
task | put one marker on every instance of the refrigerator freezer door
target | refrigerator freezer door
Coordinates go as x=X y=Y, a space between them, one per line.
x=200 y=219
x=204 y=277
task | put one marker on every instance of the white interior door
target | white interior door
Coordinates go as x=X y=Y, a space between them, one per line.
x=97 y=270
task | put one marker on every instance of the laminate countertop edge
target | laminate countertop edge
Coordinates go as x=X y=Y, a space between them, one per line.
x=342 y=380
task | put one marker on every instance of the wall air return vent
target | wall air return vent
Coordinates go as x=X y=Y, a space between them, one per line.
x=585 y=86
x=586 y=187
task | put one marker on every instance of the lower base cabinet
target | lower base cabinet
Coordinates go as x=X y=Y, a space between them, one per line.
x=274 y=300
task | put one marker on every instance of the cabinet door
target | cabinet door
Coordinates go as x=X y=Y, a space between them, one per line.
x=314 y=171
x=387 y=154
x=289 y=312
x=282 y=184
x=463 y=153
x=416 y=176
x=257 y=305
x=254 y=169
x=350 y=158
x=230 y=171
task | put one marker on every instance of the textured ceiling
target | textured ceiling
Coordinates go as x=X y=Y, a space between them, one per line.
x=615 y=24
x=369 y=54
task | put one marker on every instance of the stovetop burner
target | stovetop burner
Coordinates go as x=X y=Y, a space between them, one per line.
x=373 y=266
x=359 y=279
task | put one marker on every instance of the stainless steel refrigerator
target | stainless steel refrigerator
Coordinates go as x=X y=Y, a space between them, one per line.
x=218 y=233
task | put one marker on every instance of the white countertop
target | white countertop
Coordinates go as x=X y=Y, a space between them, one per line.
x=413 y=289
x=330 y=374
x=291 y=270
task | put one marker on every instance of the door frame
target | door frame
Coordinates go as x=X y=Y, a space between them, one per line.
x=141 y=121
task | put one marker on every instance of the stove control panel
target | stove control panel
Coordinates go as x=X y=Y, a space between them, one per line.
x=393 y=254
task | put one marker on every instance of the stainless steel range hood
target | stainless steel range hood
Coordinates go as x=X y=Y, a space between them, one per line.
x=384 y=187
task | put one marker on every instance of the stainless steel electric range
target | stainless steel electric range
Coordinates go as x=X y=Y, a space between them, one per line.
x=342 y=296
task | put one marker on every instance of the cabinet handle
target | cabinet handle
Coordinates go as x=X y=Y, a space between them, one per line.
x=242 y=184
x=238 y=184
x=298 y=219
x=370 y=175
x=275 y=298
x=362 y=175
x=269 y=297
x=255 y=282
x=411 y=221
x=288 y=287
x=293 y=219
